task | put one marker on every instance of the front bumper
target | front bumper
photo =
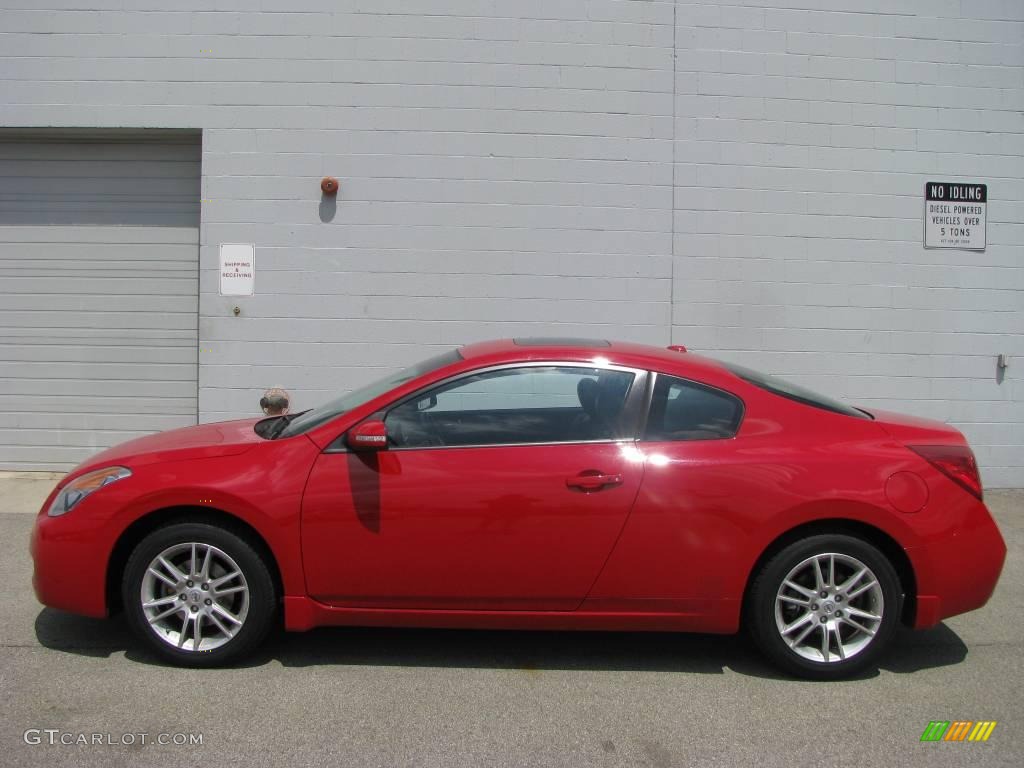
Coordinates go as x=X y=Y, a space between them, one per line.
x=69 y=556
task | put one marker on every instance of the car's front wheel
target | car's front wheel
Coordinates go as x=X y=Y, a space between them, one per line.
x=199 y=594
x=824 y=607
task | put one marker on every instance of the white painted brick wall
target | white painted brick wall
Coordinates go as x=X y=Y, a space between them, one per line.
x=539 y=166
x=805 y=131
x=504 y=167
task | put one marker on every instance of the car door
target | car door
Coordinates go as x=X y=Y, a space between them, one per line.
x=679 y=550
x=502 y=489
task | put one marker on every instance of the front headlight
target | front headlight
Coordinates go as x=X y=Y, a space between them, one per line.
x=80 y=487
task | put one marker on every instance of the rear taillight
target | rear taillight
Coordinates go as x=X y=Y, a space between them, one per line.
x=955 y=461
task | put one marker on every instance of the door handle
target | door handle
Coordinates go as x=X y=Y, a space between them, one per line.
x=592 y=480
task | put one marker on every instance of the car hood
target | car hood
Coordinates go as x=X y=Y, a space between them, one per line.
x=225 y=438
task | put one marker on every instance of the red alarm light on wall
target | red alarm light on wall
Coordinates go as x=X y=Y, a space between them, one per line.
x=329 y=186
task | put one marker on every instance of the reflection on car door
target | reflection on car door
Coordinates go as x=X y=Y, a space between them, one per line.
x=503 y=526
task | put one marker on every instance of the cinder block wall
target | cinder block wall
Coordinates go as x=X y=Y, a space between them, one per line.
x=740 y=178
x=504 y=166
x=503 y=171
x=805 y=132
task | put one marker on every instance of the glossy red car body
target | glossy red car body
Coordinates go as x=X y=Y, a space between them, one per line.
x=494 y=537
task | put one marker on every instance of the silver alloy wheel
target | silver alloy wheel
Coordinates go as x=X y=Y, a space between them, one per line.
x=194 y=596
x=829 y=607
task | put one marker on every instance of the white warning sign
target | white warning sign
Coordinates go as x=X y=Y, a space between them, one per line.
x=954 y=215
x=237 y=269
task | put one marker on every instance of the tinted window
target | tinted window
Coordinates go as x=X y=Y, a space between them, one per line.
x=685 y=410
x=795 y=392
x=537 y=404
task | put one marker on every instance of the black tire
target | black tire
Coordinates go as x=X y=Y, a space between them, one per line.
x=262 y=604
x=763 y=619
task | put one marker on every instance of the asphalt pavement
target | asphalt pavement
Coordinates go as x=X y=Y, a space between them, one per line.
x=380 y=697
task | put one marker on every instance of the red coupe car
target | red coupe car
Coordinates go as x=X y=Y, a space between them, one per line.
x=534 y=484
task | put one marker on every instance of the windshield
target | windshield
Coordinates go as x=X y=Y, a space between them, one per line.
x=304 y=422
x=795 y=392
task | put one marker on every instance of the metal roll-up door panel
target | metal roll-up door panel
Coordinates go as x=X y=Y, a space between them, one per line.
x=99 y=250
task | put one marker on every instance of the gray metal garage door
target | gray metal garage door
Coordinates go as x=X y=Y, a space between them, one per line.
x=99 y=252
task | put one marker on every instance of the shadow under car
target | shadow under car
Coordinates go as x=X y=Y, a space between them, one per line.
x=498 y=649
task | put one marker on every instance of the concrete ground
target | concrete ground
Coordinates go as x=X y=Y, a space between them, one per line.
x=354 y=697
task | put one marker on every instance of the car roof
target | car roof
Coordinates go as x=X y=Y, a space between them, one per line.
x=627 y=353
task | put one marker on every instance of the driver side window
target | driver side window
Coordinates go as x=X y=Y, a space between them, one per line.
x=535 y=404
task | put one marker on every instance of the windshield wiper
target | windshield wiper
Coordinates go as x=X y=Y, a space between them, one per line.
x=275 y=431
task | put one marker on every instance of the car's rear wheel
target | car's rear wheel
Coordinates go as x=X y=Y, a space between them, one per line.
x=824 y=607
x=198 y=594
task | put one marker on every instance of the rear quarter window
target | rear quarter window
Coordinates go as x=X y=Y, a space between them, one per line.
x=686 y=410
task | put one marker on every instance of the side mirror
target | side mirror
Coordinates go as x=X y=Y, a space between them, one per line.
x=368 y=436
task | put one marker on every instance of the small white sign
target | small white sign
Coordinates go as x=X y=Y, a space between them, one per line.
x=237 y=269
x=955 y=215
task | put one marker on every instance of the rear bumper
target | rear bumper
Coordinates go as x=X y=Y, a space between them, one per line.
x=958 y=573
